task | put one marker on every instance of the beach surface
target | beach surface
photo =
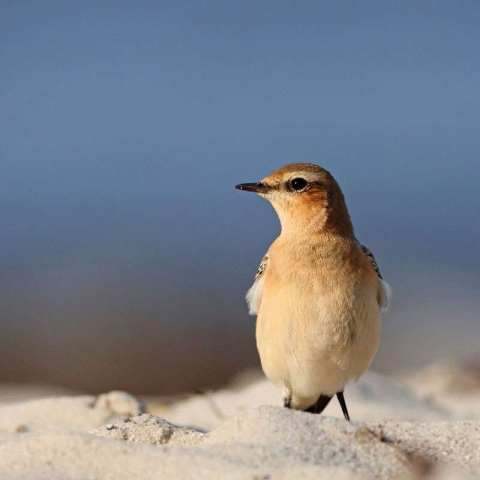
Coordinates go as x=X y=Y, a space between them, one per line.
x=424 y=425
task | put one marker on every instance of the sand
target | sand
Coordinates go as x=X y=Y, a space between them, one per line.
x=402 y=429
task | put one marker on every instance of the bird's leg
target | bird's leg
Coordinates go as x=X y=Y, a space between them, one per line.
x=287 y=402
x=341 y=399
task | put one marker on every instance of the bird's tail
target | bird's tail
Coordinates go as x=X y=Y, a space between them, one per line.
x=319 y=405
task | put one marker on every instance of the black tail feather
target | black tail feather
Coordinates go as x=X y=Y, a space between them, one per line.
x=319 y=405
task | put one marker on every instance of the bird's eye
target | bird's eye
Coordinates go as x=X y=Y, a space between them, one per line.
x=298 y=184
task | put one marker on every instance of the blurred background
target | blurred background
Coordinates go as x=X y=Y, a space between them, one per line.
x=125 y=252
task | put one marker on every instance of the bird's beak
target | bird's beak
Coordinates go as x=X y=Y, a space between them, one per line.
x=258 y=187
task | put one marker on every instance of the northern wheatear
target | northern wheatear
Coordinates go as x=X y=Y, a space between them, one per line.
x=318 y=292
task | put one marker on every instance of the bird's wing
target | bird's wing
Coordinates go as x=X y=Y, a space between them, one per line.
x=343 y=358
x=254 y=294
x=385 y=289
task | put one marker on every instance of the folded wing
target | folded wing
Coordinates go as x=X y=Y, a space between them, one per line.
x=385 y=289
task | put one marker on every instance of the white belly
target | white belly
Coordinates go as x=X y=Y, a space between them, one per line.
x=312 y=344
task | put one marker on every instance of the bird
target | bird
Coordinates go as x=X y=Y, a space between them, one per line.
x=318 y=293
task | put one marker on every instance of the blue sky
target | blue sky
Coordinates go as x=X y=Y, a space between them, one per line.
x=125 y=125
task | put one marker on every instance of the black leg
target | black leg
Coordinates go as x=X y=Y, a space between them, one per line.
x=320 y=404
x=287 y=402
x=341 y=399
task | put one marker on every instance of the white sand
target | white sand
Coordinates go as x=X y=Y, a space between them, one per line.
x=397 y=431
x=19 y=392
x=374 y=397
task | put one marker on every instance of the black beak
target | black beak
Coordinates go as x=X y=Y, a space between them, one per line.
x=258 y=187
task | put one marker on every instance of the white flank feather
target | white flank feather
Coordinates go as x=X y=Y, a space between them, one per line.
x=386 y=295
x=254 y=296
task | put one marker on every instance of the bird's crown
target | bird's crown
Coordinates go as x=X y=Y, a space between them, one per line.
x=297 y=177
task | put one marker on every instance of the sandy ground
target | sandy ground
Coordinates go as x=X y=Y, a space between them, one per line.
x=426 y=425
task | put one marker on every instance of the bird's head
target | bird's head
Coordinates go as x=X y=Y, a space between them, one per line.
x=305 y=196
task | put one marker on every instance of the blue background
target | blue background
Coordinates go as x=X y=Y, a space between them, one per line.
x=124 y=250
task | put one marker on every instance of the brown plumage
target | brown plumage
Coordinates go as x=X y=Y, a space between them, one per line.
x=317 y=293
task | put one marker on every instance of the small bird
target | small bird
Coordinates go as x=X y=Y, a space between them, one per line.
x=318 y=292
